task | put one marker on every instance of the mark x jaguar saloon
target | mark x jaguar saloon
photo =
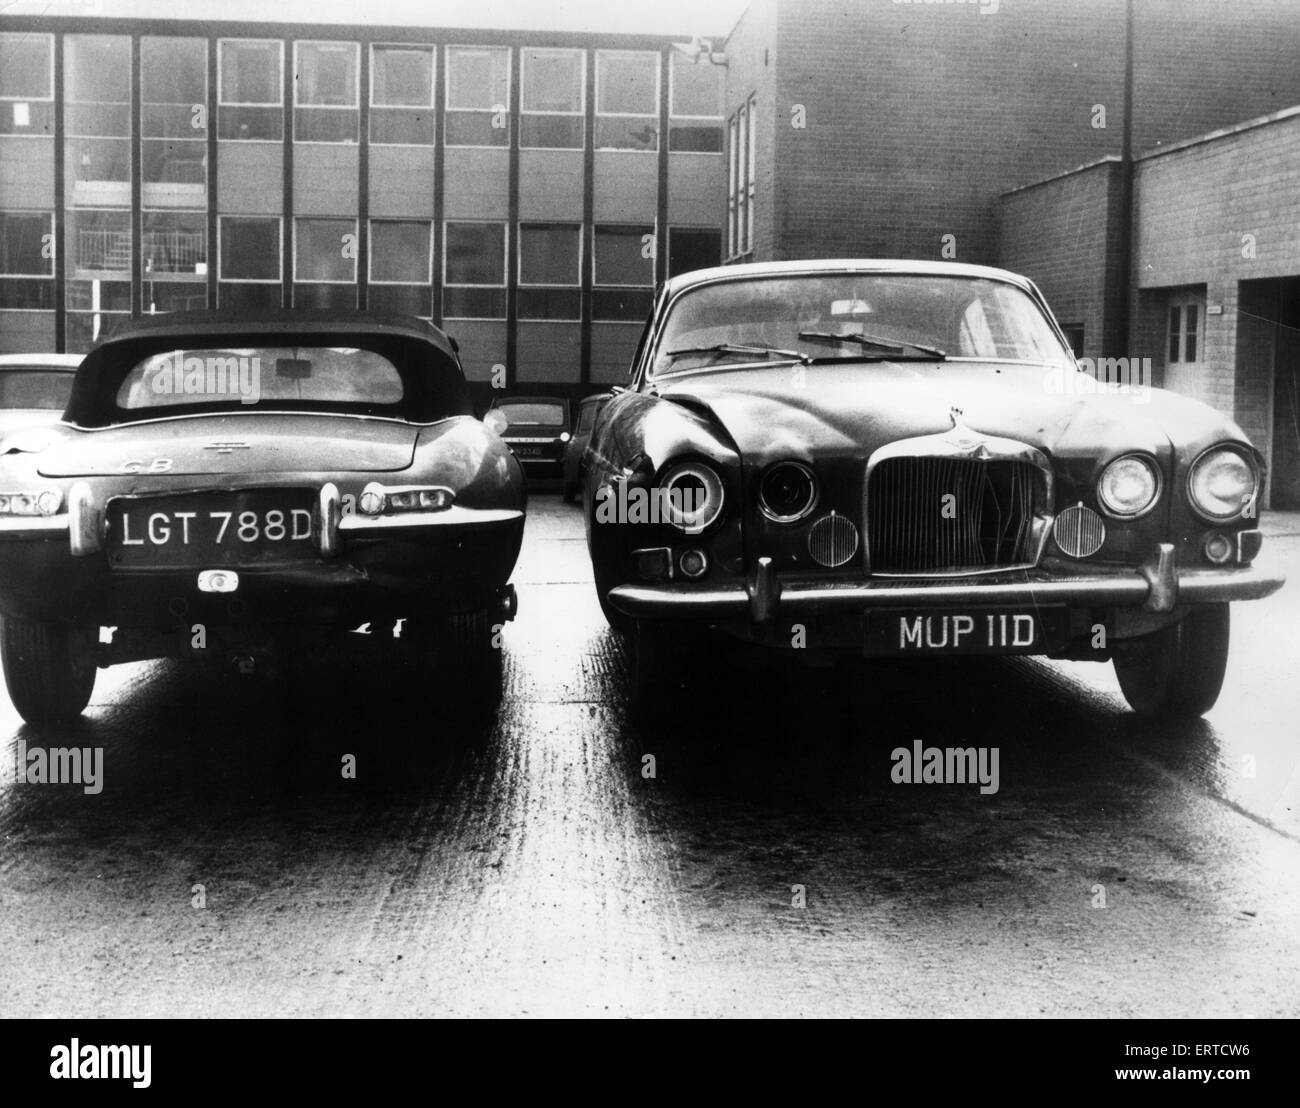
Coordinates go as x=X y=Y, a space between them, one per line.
x=228 y=488
x=904 y=459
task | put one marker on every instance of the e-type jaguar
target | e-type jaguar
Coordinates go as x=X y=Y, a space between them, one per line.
x=905 y=459
x=231 y=488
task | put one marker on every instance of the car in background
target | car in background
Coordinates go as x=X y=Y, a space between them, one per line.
x=588 y=409
x=536 y=429
x=233 y=488
x=903 y=459
x=34 y=389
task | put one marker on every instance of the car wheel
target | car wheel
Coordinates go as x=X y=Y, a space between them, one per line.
x=470 y=656
x=1176 y=673
x=45 y=681
x=661 y=661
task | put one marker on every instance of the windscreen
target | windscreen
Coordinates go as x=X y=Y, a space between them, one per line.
x=34 y=388
x=533 y=414
x=857 y=315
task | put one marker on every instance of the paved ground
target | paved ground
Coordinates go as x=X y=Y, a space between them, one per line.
x=531 y=868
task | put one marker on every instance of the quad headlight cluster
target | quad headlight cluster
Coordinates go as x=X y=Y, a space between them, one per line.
x=376 y=500
x=42 y=502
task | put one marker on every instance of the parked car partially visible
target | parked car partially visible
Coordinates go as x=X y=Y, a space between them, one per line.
x=34 y=389
x=588 y=409
x=536 y=429
x=229 y=488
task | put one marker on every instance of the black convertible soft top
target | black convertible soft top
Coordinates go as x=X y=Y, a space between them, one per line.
x=425 y=357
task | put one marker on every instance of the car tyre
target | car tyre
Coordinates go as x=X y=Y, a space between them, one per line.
x=470 y=656
x=46 y=682
x=1177 y=672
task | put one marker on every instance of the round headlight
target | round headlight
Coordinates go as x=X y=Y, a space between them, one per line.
x=788 y=492
x=1222 y=482
x=1129 y=485
x=371 y=502
x=692 y=496
x=49 y=502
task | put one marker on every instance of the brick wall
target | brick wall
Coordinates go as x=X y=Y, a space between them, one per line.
x=1060 y=233
x=1217 y=213
x=919 y=116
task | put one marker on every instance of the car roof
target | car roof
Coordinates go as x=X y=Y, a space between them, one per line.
x=213 y=324
x=796 y=267
x=40 y=361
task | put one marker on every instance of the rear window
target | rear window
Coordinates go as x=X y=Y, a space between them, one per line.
x=35 y=389
x=269 y=376
x=533 y=414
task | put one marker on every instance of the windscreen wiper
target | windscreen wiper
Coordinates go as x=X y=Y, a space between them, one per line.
x=739 y=348
x=884 y=345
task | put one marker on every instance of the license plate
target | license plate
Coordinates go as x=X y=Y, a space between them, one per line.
x=525 y=451
x=964 y=632
x=200 y=529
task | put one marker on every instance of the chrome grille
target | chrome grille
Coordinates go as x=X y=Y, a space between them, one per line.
x=832 y=540
x=1079 y=531
x=945 y=514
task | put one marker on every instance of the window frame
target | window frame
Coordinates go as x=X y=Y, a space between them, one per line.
x=574 y=286
x=49 y=215
x=598 y=115
x=505 y=267
x=354 y=107
x=279 y=92
x=34 y=99
x=370 y=254
x=279 y=250
x=720 y=119
x=297 y=239
x=1181 y=302
x=447 y=107
x=580 y=114
x=430 y=107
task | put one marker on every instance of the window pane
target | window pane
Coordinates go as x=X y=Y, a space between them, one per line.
x=399 y=251
x=472 y=303
x=250 y=297
x=326 y=74
x=621 y=305
x=548 y=254
x=97 y=245
x=551 y=132
x=1192 y=321
x=402 y=126
x=477 y=128
x=475 y=254
x=403 y=76
x=477 y=77
x=24 y=249
x=552 y=303
x=250 y=73
x=25 y=69
x=174 y=244
x=695 y=138
x=321 y=250
x=325 y=297
x=406 y=299
x=552 y=81
x=250 y=249
x=626 y=83
x=174 y=81
x=689 y=249
x=250 y=91
x=697 y=88
x=622 y=256
x=1175 y=331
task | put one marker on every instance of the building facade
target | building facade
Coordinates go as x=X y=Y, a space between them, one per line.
x=524 y=191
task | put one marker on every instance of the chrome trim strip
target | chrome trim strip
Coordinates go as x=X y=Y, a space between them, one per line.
x=453 y=516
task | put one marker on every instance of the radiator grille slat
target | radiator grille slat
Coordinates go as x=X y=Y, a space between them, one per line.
x=936 y=514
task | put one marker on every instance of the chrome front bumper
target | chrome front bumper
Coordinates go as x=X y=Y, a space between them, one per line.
x=1156 y=586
